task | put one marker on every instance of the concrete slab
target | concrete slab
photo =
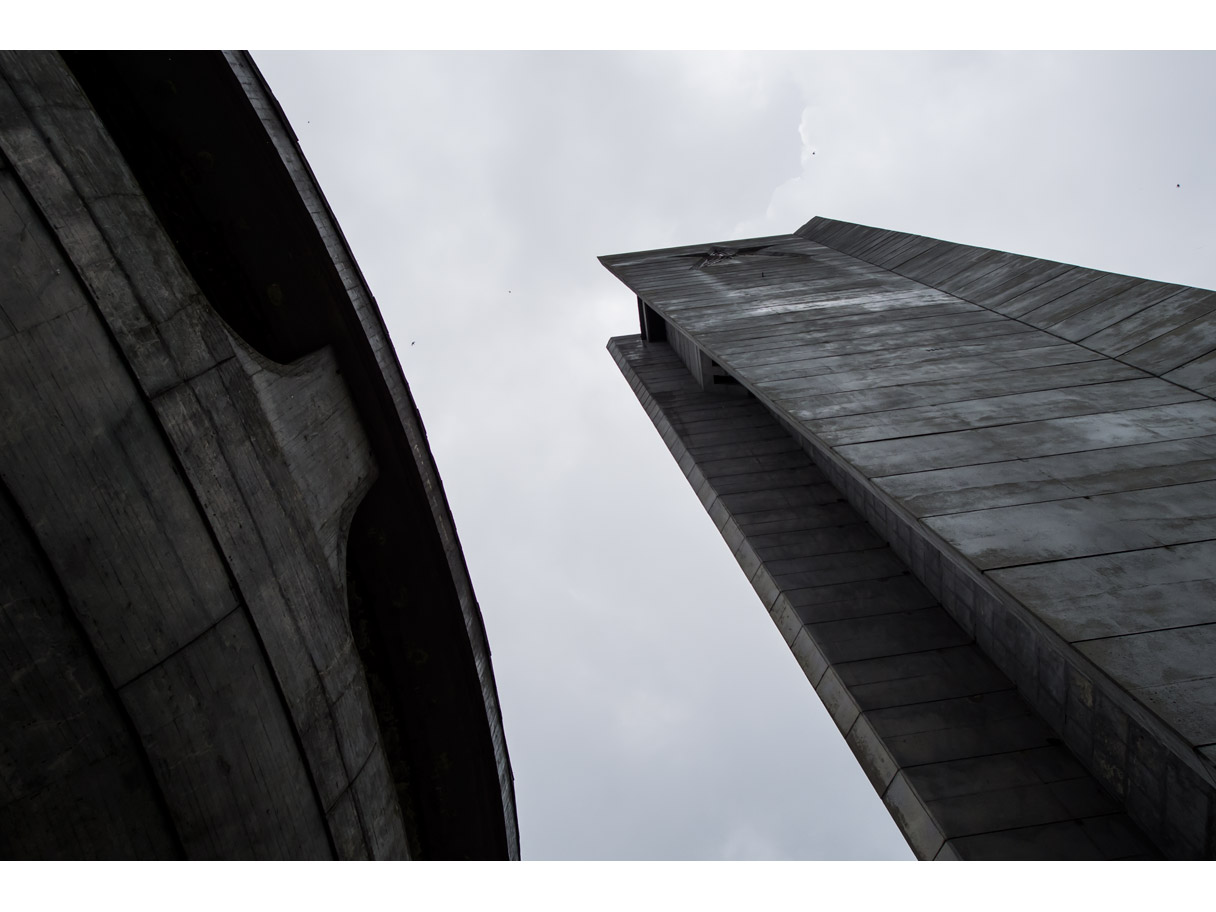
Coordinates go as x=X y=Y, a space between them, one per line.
x=829 y=569
x=1066 y=841
x=253 y=744
x=919 y=828
x=910 y=395
x=1096 y=317
x=1177 y=347
x=872 y=754
x=862 y=598
x=1114 y=594
x=983 y=812
x=887 y=634
x=1156 y=657
x=1151 y=322
x=921 y=677
x=1190 y=706
x=856 y=536
x=1199 y=374
x=1032 y=438
x=1095 y=293
x=889 y=349
x=1047 y=292
x=1000 y=410
x=915 y=370
x=1044 y=478
x=825 y=515
x=1078 y=527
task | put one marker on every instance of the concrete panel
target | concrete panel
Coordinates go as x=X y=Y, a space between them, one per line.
x=999 y=410
x=1024 y=303
x=921 y=677
x=1134 y=658
x=809 y=657
x=65 y=391
x=1176 y=347
x=837 y=700
x=67 y=748
x=977 y=776
x=1032 y=438
x=1154 y=321
x=882 y=348
x=1092 y=294
x=871 y=752
x=1066 y=841
x=912 y=817
x=763 y=522
x=1034 y=805
x=979 y=324
x=1085 y=473
x=1019 y=276
x=1189 y=706
x=855 y=536
x=217 y=699
x=862 y=598
x=1199 y=374
x=1111 y=595
x=914 y=370
x=1084 y=323
x=887 y=634
x=829 y=569
x=985 y=266
x=911 y=395
x=948 y=261
x=1032 y=533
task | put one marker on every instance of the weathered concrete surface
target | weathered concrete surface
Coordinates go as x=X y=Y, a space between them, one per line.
x=189 y=501
x=996 y=422
x=967 y=769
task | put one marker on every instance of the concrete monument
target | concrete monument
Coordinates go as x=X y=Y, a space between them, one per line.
x=976 y=492
x=235 y=620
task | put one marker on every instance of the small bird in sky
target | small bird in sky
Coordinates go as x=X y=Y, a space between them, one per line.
x=411 y=343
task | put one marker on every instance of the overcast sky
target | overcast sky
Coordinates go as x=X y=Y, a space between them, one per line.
x=651 y=708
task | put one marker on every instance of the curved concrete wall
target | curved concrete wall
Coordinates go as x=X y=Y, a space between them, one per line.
x=176 y=514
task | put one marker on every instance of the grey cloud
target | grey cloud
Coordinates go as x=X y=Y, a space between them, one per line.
x=651 y=708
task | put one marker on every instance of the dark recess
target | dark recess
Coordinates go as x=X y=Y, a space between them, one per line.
x=654 y=327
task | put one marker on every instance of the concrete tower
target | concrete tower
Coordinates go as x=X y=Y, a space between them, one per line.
x=235 y=620
x=976 y=492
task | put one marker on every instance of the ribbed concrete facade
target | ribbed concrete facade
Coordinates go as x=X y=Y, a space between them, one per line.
x=235 y=620
x=1031 y=443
